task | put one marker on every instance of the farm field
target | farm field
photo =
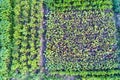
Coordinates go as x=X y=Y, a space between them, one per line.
x=59 y=40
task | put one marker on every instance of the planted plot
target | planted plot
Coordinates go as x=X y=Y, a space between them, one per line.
x=78 y=38
x=81 y=40
x=20 y=33
x=26 y=36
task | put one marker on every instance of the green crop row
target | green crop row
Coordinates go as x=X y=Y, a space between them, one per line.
x=99 y=73
x=5 y=45
x=78 y=4
x=102 y=78
x=28 y=19
x=92 y=75
x=77 y=40
x=21 y=21
x=20 y=33
x=32 y=76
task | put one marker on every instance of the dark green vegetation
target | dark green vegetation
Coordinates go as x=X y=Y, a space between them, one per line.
x=5 y=45
x=81 y=39
x=116 y=6
x=63 y=5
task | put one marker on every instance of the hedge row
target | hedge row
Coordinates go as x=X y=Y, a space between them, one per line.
x=5 y=45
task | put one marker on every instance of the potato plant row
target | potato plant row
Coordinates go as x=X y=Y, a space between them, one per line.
x=20 y=35
x=78 y=4
x=81 y=41
x=28 y=19
x=20 y=48
x=5 y=45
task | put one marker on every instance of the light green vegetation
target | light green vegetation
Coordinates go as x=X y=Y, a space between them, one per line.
x=20 y=33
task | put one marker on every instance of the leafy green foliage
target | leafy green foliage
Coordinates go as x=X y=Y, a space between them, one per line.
x=102 y=78
x=81 y=40
x=89 y=73
x=5 y=47
x=20 y=54
x=78 y=4
x=116 y=6
x=28 y=19
x=26 y=26
x=34 y=76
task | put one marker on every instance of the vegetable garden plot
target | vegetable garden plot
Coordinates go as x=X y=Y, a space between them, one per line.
x=82 y=41
x=27 y=32
x=20 y=33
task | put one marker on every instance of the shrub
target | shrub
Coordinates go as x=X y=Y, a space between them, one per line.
x=5 y=45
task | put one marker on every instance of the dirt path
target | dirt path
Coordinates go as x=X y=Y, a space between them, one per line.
x=43 y=45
